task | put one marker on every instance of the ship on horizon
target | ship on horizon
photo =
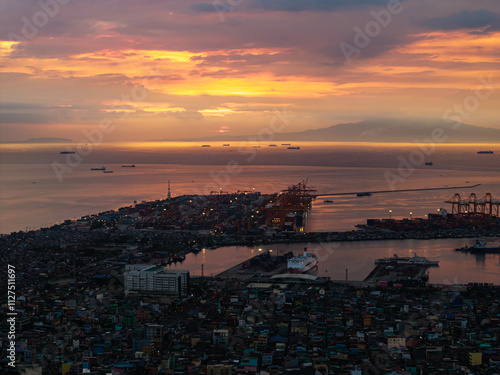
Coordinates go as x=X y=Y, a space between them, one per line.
x=485 y=152
x=103 y=168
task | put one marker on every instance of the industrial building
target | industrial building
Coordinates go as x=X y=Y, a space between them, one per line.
x=157 y=279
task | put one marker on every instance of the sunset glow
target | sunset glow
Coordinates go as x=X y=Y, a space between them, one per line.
x=186 y=66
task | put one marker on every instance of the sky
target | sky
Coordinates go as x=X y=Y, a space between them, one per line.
x=164 y=70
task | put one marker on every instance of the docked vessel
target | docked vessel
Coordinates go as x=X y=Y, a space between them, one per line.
x=103 y=168
x=414 y=260
x=485 y=152
x=302 y=263
x=481 y=246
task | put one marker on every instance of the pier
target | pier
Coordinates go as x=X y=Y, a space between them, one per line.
x=262 y=266
x=397 y=273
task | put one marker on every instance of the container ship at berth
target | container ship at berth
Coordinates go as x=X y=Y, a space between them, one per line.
x=302 y=263
x=414 y=260
x=481 y=246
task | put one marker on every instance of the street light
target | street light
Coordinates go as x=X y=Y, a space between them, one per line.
x=390 y=214
x=411 y=213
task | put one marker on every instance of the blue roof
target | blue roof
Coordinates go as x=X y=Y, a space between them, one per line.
x=123 y=365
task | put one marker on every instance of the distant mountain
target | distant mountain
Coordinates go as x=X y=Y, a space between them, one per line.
x=384 y=130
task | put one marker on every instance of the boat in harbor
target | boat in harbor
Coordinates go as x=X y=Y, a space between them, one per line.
x=481 y=246
x=485 y=152
x=302 y=263
x=408 y=261
x=103 y=168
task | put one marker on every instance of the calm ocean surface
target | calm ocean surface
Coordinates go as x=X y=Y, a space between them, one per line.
x=358 y=258
x=31 y=195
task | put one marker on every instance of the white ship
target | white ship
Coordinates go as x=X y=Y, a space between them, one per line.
x=302 y=263
x=414 y=260
x=481 y=246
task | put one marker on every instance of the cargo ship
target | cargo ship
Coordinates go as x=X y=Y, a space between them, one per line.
x=485 y=152
x=293 y=148
x=128 y=166
x=481 y=246
x=67 y=152
x=103 y=168
x=365 y=194
x=414 y=260
x=302 y=263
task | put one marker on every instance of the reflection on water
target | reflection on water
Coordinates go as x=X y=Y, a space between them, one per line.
x=358 y=258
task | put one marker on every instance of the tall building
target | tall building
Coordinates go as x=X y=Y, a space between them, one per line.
x=157 y=279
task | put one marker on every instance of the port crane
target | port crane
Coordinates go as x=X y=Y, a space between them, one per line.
x=486 y=205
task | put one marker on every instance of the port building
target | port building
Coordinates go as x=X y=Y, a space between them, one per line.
x=157 y=279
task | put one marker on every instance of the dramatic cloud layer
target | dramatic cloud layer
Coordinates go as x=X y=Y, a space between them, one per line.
x=480 y=19
x=171 y=69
